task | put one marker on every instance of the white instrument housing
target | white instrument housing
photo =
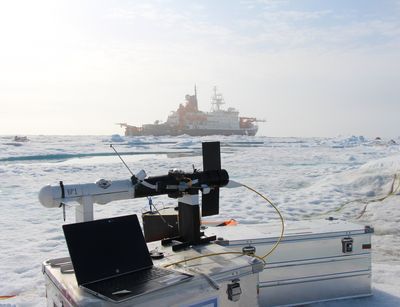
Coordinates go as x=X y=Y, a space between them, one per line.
x=101 y=192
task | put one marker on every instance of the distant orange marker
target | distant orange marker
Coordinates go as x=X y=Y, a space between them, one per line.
x=231 y=222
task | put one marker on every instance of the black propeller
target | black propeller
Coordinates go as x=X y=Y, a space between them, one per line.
x=211 y=161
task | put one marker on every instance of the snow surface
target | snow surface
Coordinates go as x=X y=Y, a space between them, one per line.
x=345 y=177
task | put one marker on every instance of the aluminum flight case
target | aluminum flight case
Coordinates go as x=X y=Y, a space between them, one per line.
x=317 y=260
x=223 y=280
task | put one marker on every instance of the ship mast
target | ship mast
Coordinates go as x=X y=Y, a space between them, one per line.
x=216 y=100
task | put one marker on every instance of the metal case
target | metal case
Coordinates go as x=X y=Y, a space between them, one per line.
x=317 y=260
x=222 y=280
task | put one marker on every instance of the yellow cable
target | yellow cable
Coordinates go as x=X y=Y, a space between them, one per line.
x=240 y=253
x=280 y=216
x=210 y=255
x=367 y=201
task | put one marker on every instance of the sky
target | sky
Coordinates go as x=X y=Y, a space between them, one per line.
x=308 y=67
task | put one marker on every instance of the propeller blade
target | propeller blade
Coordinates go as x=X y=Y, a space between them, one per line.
x=210 y=203
x=211 y=161
x=233 y=184
x=211 y=156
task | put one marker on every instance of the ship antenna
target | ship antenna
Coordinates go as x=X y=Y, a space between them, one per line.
x=217 y=100
x=111 y=145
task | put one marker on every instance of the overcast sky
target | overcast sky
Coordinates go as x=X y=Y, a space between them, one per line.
x=310 y=68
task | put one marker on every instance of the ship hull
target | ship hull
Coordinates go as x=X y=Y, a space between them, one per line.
x=165 y=131
x=205 y=132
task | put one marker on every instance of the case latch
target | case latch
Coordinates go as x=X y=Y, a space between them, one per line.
x=234 y=291
x=249 y=250
x=347 y=245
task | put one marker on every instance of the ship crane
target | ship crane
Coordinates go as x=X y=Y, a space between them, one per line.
x=122 y=125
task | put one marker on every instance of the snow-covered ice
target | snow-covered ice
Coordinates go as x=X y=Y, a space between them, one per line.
x=353 y=178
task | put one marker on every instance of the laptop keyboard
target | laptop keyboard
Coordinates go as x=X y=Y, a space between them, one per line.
x=132 y=279
x=146 y=275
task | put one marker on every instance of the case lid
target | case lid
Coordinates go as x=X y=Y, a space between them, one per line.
x=294 y=230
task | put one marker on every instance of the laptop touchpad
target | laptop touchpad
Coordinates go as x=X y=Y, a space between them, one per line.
x=172 y=279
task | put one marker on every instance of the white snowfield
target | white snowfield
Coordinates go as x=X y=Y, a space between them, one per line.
x=352 y=178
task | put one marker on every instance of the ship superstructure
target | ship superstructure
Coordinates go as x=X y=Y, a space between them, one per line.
x=188 y=119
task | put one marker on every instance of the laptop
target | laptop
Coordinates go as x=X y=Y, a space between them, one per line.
x=111 y=259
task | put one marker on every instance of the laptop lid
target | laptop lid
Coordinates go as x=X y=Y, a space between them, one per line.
x=105 y=248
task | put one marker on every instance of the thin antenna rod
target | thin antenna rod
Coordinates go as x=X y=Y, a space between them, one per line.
x=111 y=145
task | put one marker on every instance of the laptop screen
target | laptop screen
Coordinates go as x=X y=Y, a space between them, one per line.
x=107 y=247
